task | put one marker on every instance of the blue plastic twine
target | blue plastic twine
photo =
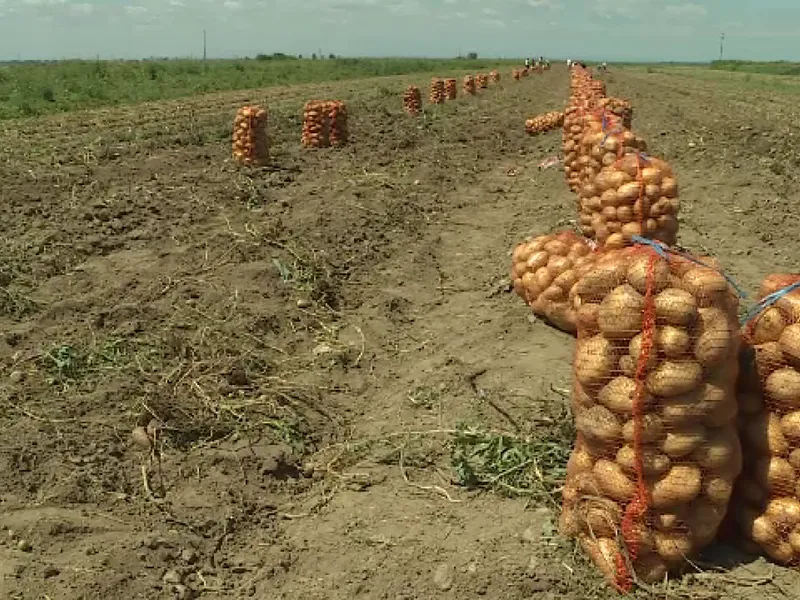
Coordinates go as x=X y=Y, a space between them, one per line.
x=662 y=250
x=768 y=301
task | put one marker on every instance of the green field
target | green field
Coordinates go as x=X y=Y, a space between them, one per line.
x=32 y=89
x=767 y=68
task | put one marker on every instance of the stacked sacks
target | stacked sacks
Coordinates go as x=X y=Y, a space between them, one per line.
x=634 y=196
x=619 y=107
x=437 y=91
x=494 y=76
x=450 y=90
x=545 y=269
x=482 y=81
x=469 y=85
x=767 y=507
x=250 y=146
x=543 y=123
x=412 y=100
x=657 y=452
x=337 y=123
x=315 y=125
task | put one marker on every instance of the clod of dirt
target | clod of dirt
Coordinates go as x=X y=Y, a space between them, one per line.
x=172 y=576
x=16 y=376
x=238 y=378
x=183 y=592
x=50 y=571
x=24 y=546
x=443 y=577
x=189 y=556
x=140 y=438
x=303 y=303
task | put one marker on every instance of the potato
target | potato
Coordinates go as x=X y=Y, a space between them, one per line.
x=790 y=342
x=619 y=395
x=768 y=359
x=613 y=481
x=586 y=319
x=566 y=279
x=675 y=307
x=719 y=450
x=673 y=342
x=768 y=326
x=598 y=425
x=556 y=246
x=568 y=525
x=599 y=517
x=794 y=459
x=718 y=490
x=784 y=513
x=639 y=268
x=580 y=460
x=600 y=280
x=715 y=336
x=775 y=474
x=580 y=485
x=794 y=540
x=595 y=358
x=674 y=546
x=783 y=386
x=635 y=349
x=703 y=520
x=652 y=430
x=781 y=552
x=667 y=521
x=682 y=442
x=790 y=425
x=681 y=485
x=707 y=285
x=603 y=552
x=673 y=378
x=650 y=568
x=627 y=365
x=789 y=306
x=654 y=464
x=719 y=404
x=620 y=314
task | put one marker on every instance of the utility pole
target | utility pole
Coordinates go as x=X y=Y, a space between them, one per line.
x=721 y=45
x=204 y=44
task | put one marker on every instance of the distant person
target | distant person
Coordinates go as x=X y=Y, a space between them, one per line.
x=569 y=64
x=527 y=63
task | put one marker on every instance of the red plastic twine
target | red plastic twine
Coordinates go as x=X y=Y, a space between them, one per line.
x=633 y=521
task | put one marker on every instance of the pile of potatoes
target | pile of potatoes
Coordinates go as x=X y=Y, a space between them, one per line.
x=635 y=195
x=469 y=85
x=412 y=100
x=545 y=269
x=337 y=123
x=655 y=368
x=544 y=123
x=250 y=146
x=767 y=506
x=437 y=95
x=482 y=81
x=494 y=76
x=620 y=107
x=450 y=89
x=315 y=124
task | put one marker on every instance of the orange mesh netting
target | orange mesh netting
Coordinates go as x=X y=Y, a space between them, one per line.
x=250 y=146
x=412 y=100
x=767 y=500
x=655 y=370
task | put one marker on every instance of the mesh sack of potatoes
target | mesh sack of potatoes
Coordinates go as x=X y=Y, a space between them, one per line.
x=495 y=76
x=469 y=85
x=315 y=125
x=250 y=146
x=604 y=139
x=338 y=132
x=544 y=123
x=545 y=269
x=654 y=399
x=637 y=195
x=437 y=95
x=482 y=81
x=516 y=74
x=767 y=505
x=450 y=89
x=571 y=136
x=620 y=107
x=412 y=100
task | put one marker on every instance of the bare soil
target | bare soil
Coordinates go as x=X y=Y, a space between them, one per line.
x=326 y=352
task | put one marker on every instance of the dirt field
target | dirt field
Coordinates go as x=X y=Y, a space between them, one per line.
x=326 y=351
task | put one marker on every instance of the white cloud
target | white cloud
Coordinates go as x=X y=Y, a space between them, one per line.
x=686 y=10
x=134 y=9
x=232 y=4
x=552 y=4
x=489 y=12
x=82 y=8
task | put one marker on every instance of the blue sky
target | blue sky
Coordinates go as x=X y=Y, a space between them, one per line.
x=589 y=29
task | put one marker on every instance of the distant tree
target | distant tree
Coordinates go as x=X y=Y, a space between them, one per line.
x=472 y=55
x=314 y=56
x=300 y=56
x=331 y=56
